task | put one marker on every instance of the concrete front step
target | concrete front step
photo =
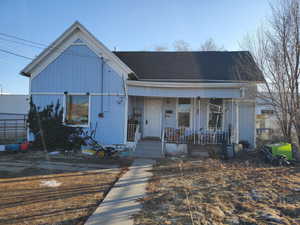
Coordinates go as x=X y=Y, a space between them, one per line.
x=148 y=149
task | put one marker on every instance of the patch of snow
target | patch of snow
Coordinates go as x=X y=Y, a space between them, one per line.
x=50 y=183
x=271 y=217
x=53 y=153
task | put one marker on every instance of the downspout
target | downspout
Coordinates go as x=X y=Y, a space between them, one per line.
x=102 y=87
x=126 y=109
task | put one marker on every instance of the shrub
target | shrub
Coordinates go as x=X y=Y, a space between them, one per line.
x=47 y=125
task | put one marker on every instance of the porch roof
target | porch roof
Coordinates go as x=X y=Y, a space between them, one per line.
x=157 y=89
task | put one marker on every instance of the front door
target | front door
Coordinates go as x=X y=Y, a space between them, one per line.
x=152 y=120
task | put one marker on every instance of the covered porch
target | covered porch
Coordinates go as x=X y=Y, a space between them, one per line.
x=183 y=120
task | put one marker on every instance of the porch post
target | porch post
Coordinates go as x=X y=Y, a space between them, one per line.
x=194 y=119
x=237 y=121
x=232 y=138
x=199 y=122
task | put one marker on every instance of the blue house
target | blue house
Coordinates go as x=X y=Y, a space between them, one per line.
x=173 y=97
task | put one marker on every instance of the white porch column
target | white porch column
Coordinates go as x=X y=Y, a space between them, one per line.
x=199 y=116
x=237 y=122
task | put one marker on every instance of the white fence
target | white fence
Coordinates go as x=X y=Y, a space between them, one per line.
x=190 y=136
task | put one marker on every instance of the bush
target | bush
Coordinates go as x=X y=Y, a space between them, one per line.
x=47 y=125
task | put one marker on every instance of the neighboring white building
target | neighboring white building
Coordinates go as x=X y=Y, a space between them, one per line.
x=13 y=106
x=266 y=121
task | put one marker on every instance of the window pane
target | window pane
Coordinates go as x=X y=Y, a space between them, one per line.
x=77 y=109
x=183 y=119
x=184 y=104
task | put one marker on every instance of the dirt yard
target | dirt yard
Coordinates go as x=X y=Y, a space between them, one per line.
x=62 y=191
x=215 y=192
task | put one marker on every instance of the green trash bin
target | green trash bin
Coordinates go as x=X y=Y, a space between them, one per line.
x=284 y=149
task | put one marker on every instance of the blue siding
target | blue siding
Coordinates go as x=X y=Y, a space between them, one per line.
x=110 y=129
x=44 y=100
x=78 y=70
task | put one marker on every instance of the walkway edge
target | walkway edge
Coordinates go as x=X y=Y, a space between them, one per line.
x=121 y=202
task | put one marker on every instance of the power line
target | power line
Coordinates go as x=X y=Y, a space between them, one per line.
x=22 y=43
x=15 y=54
x=21 y=39
x=50 y=47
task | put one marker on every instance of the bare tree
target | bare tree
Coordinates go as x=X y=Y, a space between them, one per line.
x=275 y=48
x=181 y=45
x=160 y=48
x=210 y=45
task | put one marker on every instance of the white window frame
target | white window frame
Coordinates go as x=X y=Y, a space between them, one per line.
x=177 y=111
x=65 y=111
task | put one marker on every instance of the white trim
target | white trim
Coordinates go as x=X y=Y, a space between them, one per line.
x=108 y=94
x=254 y=136
x=203 y=80
x=237 y=122
x=126 y=119
x=74 y=32
x=199 y=116
x=207 y=114
x=184 y=85
x=77 y=93
x=223 y=114
x=144 y=116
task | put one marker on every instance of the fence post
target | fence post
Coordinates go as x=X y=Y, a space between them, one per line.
x=4 y=129
x=16 y=130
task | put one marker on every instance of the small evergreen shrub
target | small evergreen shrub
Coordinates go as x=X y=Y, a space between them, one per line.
x=48 y=124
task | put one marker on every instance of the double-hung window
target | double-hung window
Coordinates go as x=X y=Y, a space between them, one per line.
x=77 y=110
x=183 y=112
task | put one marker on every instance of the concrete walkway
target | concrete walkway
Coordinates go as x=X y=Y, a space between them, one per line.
x=121 y=202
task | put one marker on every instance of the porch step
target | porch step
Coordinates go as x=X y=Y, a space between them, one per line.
x=148 y=149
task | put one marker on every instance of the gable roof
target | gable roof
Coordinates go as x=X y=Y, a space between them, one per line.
x=57 y=47
x=204 y=66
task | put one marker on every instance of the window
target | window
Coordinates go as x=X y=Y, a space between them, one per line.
x=77 y=110
x=267 y=111
x=184 y=109
x=215 y=113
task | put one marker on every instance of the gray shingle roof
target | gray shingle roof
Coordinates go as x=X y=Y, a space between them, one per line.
x=197 y=66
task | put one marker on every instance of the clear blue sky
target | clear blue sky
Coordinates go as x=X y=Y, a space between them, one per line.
x=125 y=24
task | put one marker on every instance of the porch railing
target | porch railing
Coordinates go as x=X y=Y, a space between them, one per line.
x=12 y=130
x=191 y=136
x=132 y=129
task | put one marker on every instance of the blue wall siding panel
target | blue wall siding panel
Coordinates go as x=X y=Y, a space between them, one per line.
x=77 y=69
x=110 y=129
x=44 y=100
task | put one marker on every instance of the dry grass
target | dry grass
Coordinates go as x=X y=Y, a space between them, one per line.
x=213 y=192
x=25 y=201
x=68 y=158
